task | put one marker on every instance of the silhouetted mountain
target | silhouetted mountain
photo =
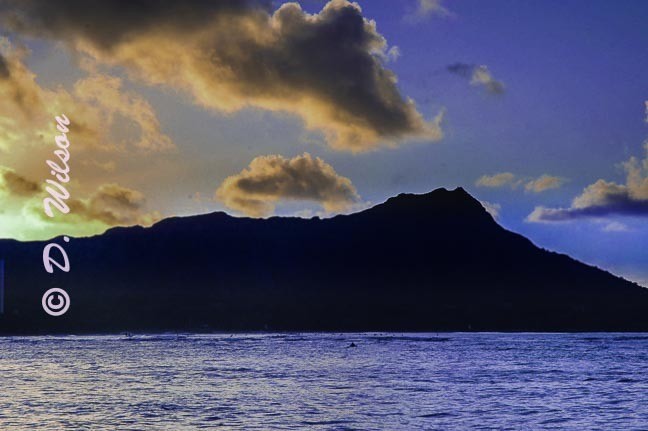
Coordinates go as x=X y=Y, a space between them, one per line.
x=436 y=261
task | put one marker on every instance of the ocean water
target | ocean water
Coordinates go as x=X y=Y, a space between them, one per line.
x=317 y=382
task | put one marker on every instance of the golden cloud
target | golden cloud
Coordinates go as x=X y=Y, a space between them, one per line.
x=507 y=179
x=497 y=180
x=269 y=179
x=110 y=205
x=96 y=104
x=543 y=183
x=16 y=185
x=327 y=68
x=114 y=205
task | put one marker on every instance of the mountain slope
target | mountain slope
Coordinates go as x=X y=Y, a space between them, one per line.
x=436 y=261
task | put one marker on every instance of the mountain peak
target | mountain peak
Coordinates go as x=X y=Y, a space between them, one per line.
x=439 y=203
x=439 y=195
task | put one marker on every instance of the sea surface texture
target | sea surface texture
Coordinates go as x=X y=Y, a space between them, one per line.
x=318 y=382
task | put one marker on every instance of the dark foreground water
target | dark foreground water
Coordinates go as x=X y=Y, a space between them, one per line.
x=317 y=382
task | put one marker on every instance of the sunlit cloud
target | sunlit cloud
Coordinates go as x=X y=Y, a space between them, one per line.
x=543 y=183
x=270 y=179
x=96 y=104
x=532 y=185
x=110 y=205
x=328 y=68
x=497 y=180
x=15 y=185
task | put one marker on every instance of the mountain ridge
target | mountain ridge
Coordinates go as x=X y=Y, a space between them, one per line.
x=434 y=261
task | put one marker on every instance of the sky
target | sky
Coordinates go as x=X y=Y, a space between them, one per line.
x=258 y=108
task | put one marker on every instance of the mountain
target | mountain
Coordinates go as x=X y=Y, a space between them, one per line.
x=430 y=262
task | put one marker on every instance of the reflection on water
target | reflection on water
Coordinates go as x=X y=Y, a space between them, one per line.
x=318 y=382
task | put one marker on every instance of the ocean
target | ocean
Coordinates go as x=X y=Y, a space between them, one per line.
x=446 y=381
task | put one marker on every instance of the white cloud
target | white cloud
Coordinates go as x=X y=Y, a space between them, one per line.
x=615 y=226
x=494 y=209
x=427 y=8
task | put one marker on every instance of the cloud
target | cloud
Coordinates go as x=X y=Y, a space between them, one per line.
x=328 y=68
x=109 y=23
x=615 y=226
x=497 y=180
x=110 y=205
x=106 y=92
x=543 y=183
x=22 y=98
x=96 y=105
x=427 y=8
x=493 y=209
x=269 y=179
x=507 y=179
x=16 y=185
x=109 y=123
x=115 y=205
x=478 y=76
x=5 y=73
x=393 y=53
x=646 y=103
x=604 y=198
x=108 y=166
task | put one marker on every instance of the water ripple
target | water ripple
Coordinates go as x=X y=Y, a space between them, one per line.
x=315 y=382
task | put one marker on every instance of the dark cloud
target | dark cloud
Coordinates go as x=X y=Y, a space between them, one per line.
x=625 y=206
x=5 y=73
x=109 y=23
x=478 y=75
x=16 y=185
x=600 y=199
x=622 y=206
x=328 y=67
x=462 y=69
x=272 y=178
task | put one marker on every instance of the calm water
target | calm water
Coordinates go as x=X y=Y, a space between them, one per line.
x=316 y=382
